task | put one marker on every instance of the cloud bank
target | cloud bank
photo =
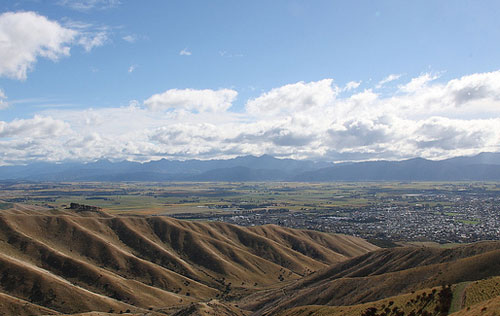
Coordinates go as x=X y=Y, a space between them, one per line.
x=422 y=116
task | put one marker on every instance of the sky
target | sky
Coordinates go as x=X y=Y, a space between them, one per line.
x=84 y=80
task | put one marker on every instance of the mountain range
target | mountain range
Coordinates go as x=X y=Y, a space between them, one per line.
x=482 y=167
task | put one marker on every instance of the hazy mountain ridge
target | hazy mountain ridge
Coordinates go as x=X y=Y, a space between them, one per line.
x=482 y=167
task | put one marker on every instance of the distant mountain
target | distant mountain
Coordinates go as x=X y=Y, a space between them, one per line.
x=482 y=167
x=246 y=168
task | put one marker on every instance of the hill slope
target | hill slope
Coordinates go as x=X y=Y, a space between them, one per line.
x=67 y=262
x=381 y=274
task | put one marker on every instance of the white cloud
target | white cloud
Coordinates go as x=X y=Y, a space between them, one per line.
x=359 y=132
x=477 y=87
x=387 y=79
x=90 y=40
x=86 y=5
x=446 y=134
x=3 y=100
x=291 y=98
x=37 y=127
x=424 y=117
x=418 y=83
x=132 y=68
x=351 y=85
x=192 y=100
x=185 y=52
x=26 y=36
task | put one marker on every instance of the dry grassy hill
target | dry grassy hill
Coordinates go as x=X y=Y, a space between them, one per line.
x=489 y=307
x=381 y=274
x=429 y=302
x=80 y=261
x=86 y=261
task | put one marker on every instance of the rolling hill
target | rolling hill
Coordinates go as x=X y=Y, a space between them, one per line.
x=74 y=261
x=381 y=274
x=71 y=261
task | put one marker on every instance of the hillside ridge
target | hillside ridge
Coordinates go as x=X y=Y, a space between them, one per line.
x=68 y=262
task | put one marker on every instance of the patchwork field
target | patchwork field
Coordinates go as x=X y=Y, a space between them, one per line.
x=172 y=197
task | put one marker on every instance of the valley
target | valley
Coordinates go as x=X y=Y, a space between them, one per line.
x=247 y=249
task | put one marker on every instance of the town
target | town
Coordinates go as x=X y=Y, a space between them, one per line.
x=382 y=212
x=465 y=218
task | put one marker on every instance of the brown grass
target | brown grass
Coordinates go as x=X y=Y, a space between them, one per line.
x=59 y=261
x=481 y=290
x=381 y=274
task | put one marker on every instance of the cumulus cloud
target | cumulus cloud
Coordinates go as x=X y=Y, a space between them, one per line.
x=26 y=36
x=192 y=100
x=476 y=87
x=445 y=134
x=359 y=133
x=425 y=117
x=37 y=127
x=418 y=83
x=293 y=97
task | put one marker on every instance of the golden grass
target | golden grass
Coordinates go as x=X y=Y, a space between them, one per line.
x=81 y=262
x=417 y=302
x=481 y=290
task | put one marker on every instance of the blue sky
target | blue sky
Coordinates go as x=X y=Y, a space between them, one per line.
x=215 y=79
